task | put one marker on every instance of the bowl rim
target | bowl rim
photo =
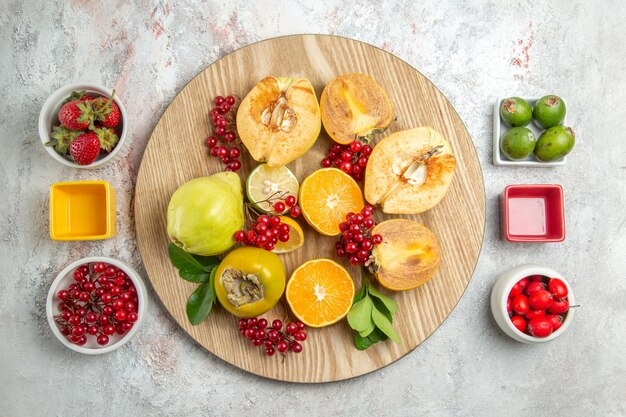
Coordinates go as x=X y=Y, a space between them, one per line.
x=142 y=300
x=56 y=97
x=524 y=271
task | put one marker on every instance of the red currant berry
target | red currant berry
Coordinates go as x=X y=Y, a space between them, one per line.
x=282 y=346
x=270 y=351
x=229 y=136
x=356 y=146
x=250 y=333
x=235 y=166
x=120 y=315
x=225 y=107
x=92 y=330
x=211 y=141
x=377 y=239
x=103 y=339
x=327 y=162
x=346 y=167
x=230 y=100
x=219 y=100
x=111 y=271
x=279 y=207
x=257 y=342
x=99 y=267
x=273 y=335
x=132 y=317
x=103 y=320
x=362 y=161
x=300 y=336
x=63 y=295
x=291 y=328
x=235 y=153
x=351 y=247
x=368 y=222
x=277 y=324
x=290 y=201
x=262 y=323
x=65 y=331
x=366 y=151
x=78 y=275
x=109 y=329
x=295 y=211
x=296 y=347
x=118 y=304
x=84 y=268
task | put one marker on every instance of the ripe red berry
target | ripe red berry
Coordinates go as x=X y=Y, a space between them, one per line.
x=291 y=328
x=519 y=322
x=377 y=239
x=230 y=100
x=556 y=320
x=366 y=151
x=290 y=201
x=520 y=304
x=99 y=267
x=295 y=211
x=219 y=100
x=535 y=313
x=540 y=300
x=296 y=347
x=103 y=339
x=559 y=307
x=540 y=327
x=356 y=146
x=277 y=324
x=533 y=287
x=279 y=207
x=557 y=288
x=516 y=290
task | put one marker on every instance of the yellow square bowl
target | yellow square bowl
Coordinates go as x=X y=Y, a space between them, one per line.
x=82 y=210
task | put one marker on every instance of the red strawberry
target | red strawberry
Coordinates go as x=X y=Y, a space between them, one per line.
x=107 y=111
x=76 y=115
x=85 y=148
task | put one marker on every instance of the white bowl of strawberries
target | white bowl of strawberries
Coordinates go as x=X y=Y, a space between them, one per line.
x=531 y=303
x=84 y=126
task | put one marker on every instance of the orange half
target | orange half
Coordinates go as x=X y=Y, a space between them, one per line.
x=326 y=196
x=320 y=292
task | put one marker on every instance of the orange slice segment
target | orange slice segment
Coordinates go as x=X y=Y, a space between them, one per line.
x=320 y=292
x=326 y=196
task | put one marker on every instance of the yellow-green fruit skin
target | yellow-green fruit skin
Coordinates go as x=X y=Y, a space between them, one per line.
x=204 y=213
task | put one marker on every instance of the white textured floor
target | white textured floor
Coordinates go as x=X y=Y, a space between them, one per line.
x=149 y=50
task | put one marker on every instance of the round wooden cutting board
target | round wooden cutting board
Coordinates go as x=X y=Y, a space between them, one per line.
x=176 y=153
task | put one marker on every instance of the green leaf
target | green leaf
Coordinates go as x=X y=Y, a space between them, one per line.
x=388 y=301
x=380 y=306
x=377 y=336
x=368 y=331
x=201 y=300
x=362 y=291
x=384 y=324
x=360 y=315
x=208 y=262
x=185 y=261
x=200 y=277
x=361 y=343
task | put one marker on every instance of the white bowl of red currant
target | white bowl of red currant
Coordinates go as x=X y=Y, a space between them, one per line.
x=96 y=304
x=532 y=303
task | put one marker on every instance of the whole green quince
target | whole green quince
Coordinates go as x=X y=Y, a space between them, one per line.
x=204 y=213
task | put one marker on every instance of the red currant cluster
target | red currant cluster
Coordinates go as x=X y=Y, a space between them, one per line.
x=264 y=233
x=290 y=202
x=102 y=301
x=351 y=159
x=536 y=305
x=273 y=338
x=224 y=143
x=356 y=241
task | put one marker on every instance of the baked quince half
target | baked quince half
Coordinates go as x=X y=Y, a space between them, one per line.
x=354 y=106
x=409 y=171
x=408 y=256
x=279 y=120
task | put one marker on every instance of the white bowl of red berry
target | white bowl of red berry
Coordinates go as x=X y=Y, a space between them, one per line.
x=532 y=303
x=96 y=304
x=84 y=125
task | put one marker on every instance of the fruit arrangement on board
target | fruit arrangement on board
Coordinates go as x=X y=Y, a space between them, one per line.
x=277 y=122
x=548 y=114
x=88 y=126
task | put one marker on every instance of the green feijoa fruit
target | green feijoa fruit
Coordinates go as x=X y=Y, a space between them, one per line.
x=549 y=111
x=517 y=143
x=554 y=143
x=515 y=112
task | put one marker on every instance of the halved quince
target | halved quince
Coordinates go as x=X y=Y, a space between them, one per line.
x=279 y=120
x=408 y=256
x=409 y=171
x=354 y=106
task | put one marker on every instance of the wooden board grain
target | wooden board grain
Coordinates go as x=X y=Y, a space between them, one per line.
x=176 y=153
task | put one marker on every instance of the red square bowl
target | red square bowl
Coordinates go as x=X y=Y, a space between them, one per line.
x=532 y=213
